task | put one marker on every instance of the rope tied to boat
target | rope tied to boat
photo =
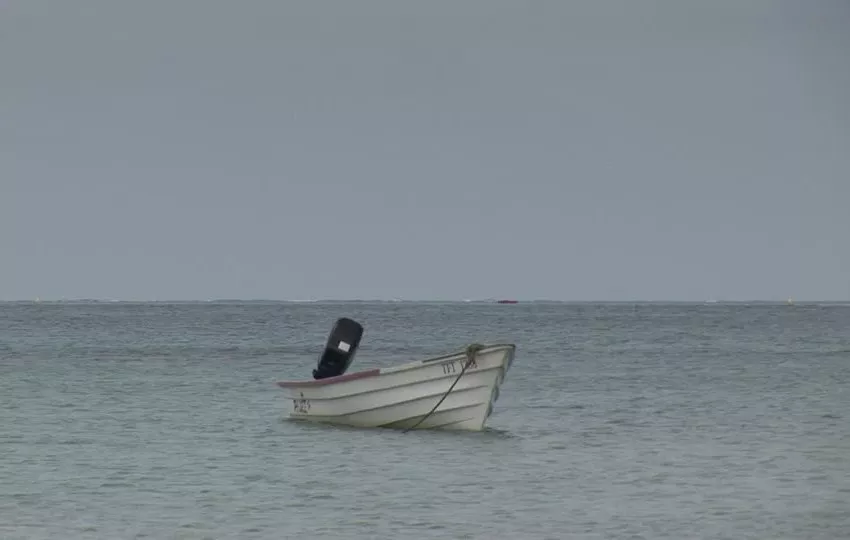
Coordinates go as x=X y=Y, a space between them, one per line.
x=471 y=351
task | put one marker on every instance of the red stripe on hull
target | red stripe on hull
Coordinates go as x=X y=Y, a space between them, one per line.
x=330 y=380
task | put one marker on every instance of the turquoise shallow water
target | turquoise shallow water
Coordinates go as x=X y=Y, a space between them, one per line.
x=616 y=421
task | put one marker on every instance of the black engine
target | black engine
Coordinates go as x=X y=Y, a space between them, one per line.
x=340 y=348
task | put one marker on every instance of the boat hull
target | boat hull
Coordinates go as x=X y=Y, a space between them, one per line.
x=402 y=397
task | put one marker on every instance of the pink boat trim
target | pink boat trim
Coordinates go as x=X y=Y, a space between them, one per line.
x=330 y=380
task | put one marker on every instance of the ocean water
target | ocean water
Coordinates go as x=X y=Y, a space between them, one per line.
x=629 y=421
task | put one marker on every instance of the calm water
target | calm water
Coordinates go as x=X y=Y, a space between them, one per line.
x=616 y=421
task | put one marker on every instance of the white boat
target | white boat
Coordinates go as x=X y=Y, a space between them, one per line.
x=455 y=391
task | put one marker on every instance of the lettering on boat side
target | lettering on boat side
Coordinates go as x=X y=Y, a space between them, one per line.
x=451 y=367
x=301 y=405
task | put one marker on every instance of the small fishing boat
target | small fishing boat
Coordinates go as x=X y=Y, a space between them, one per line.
x=455 y=391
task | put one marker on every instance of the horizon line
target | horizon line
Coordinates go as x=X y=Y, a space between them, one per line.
x=420 y=300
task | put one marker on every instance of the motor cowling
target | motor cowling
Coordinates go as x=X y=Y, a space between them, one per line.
x=340 y=348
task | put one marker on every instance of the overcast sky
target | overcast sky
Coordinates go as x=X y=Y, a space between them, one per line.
x=586 y=150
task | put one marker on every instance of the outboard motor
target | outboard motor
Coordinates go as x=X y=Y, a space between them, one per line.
x=340 y=348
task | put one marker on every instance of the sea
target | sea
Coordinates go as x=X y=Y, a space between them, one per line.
x=123 y=420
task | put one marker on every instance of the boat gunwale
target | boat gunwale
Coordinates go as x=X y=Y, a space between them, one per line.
x=374 y=372
x=330 y=380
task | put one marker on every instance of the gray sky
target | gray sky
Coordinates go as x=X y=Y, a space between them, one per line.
x=425 y=150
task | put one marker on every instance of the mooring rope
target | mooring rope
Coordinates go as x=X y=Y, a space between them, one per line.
x=471 y=351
